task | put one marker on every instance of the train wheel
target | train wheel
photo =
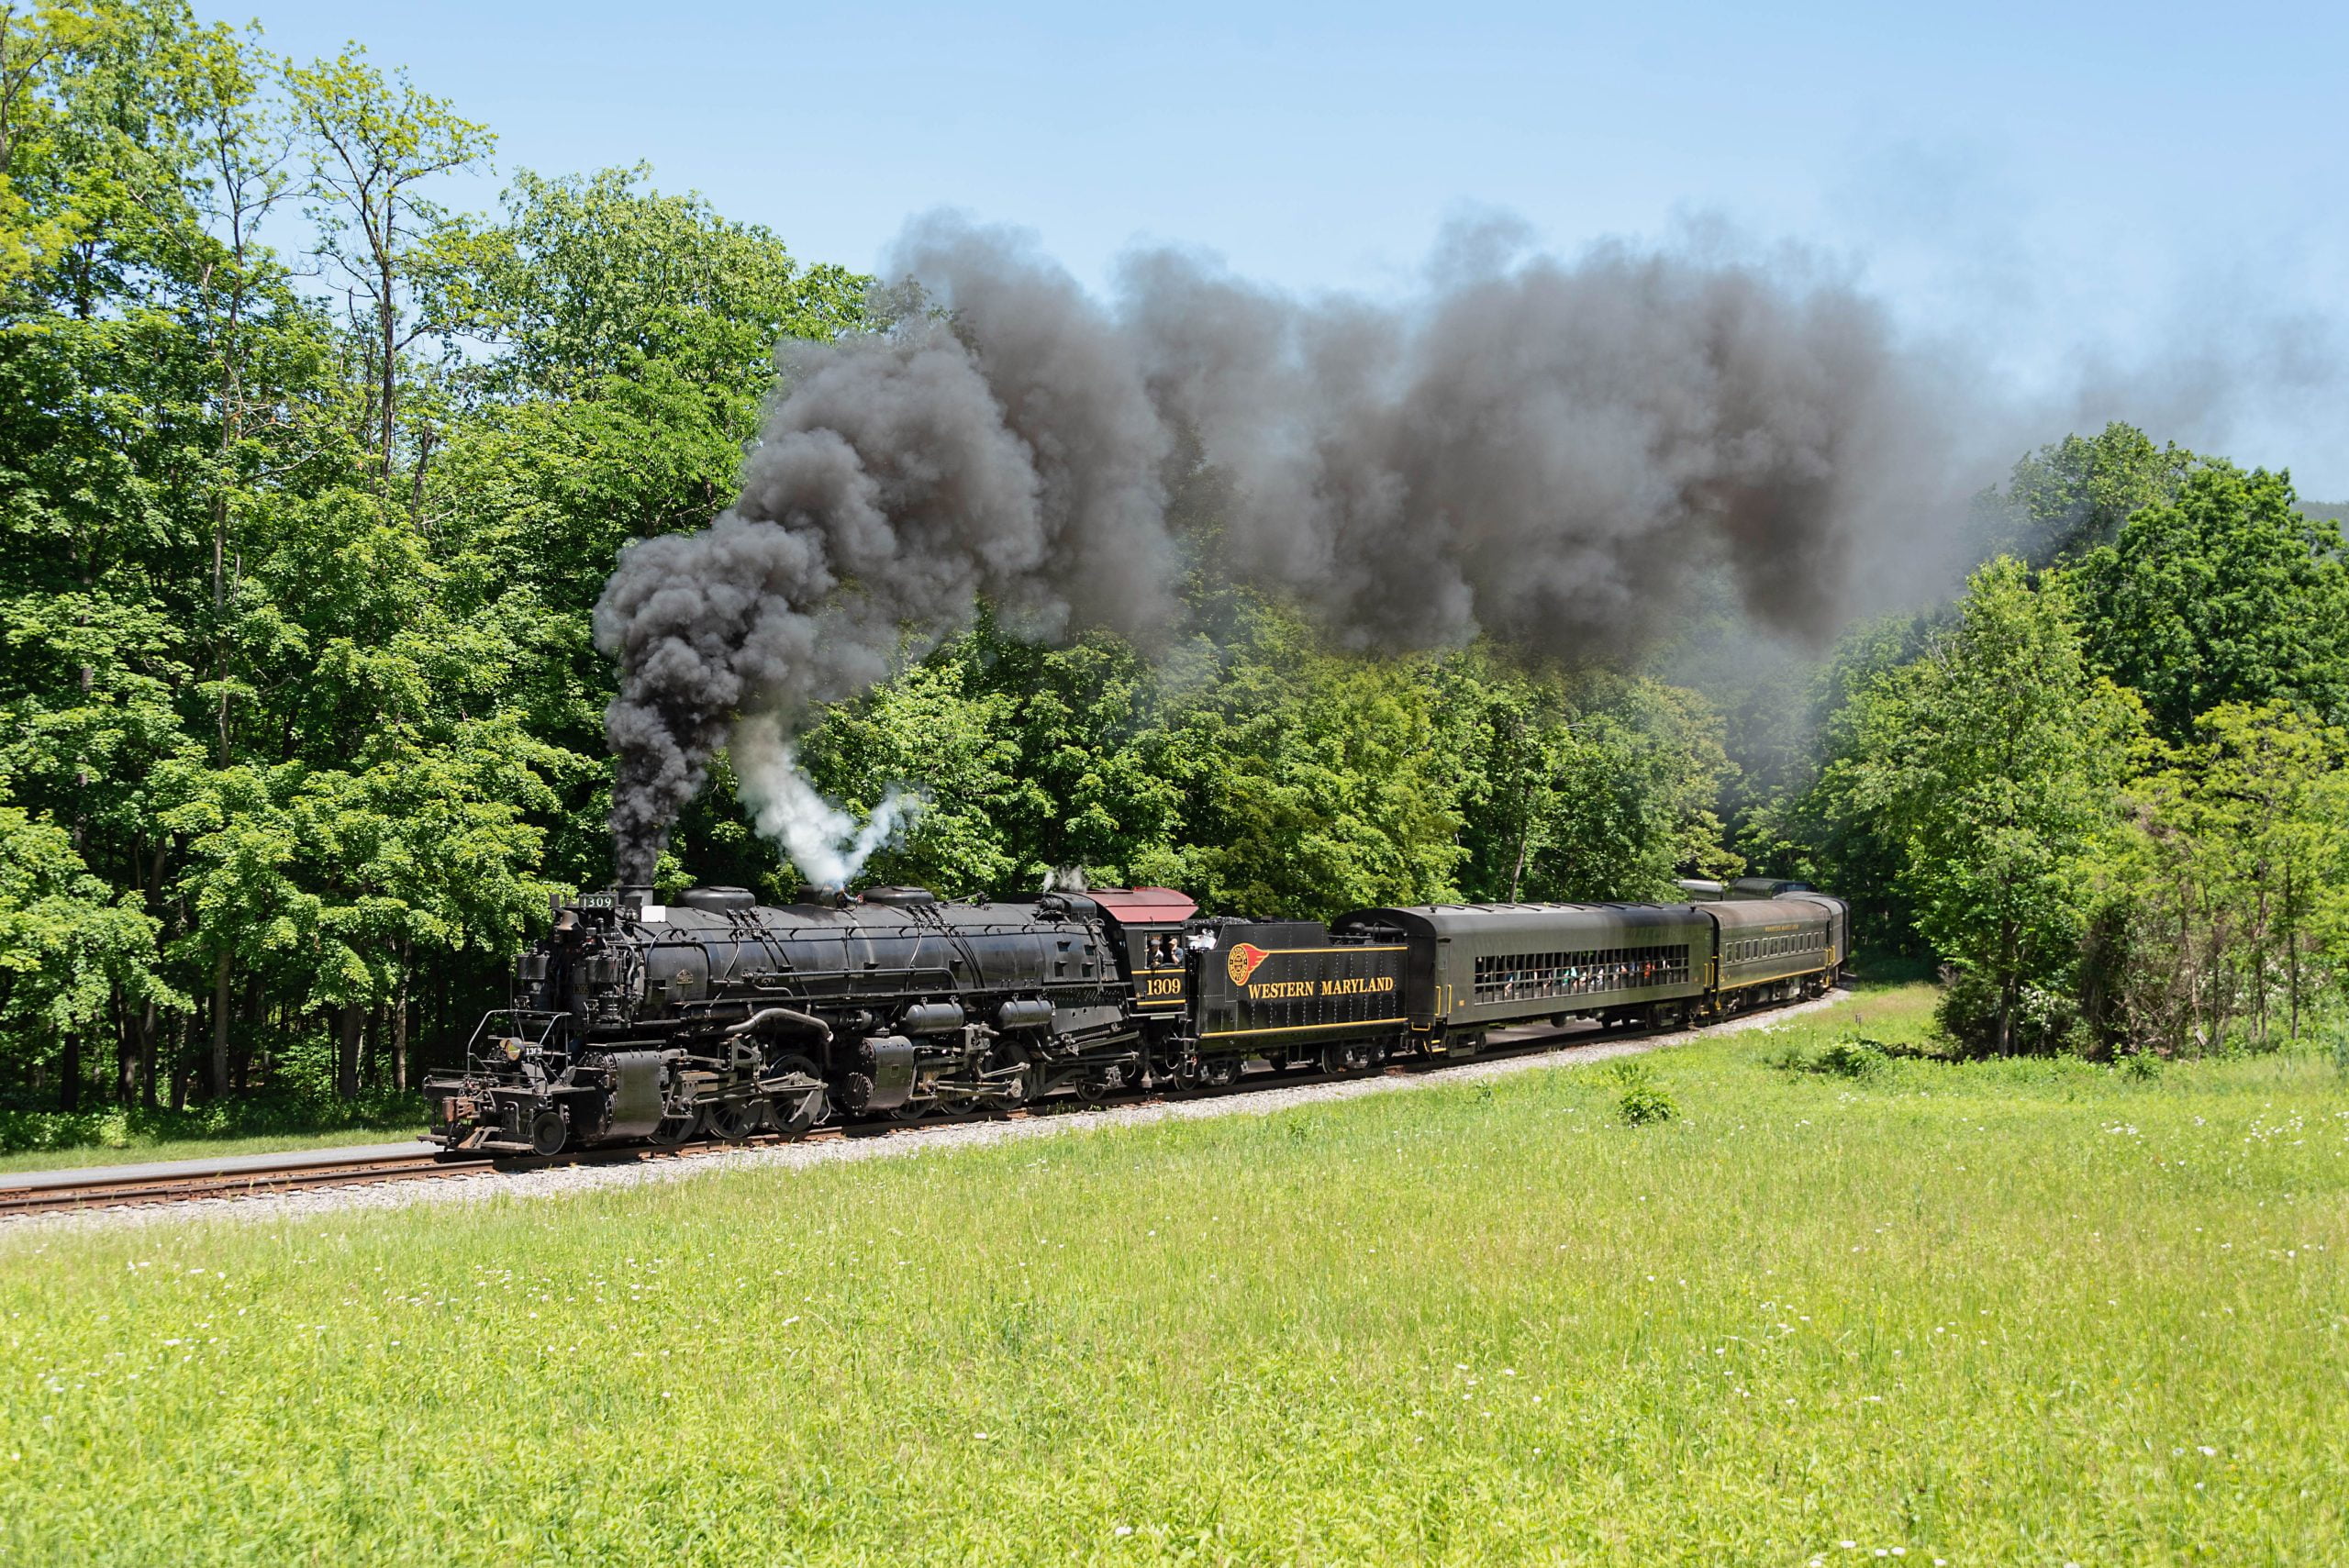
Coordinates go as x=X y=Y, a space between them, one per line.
x=674 y=1129
x=549 y=1132
x=795 y=1115
x=733 y=1121
x=801 y=1103
x=1339 y=1059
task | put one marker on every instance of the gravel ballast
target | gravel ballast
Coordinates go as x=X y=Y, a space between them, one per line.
x=898 y=1142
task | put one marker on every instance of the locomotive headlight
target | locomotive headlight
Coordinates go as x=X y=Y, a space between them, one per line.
x=513 y=1050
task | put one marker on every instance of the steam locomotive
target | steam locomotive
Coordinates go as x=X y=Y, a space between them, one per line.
x=639 y=1022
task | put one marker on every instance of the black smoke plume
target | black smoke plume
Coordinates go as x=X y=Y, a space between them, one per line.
x=1544 y=453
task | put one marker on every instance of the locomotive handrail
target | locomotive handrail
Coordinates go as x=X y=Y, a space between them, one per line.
x=472 y=1046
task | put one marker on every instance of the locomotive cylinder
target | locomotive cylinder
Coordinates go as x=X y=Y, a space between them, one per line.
x=885 y=1076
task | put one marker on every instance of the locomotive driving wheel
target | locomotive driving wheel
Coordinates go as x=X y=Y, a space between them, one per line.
x=795 y=1110
x=733 y=1121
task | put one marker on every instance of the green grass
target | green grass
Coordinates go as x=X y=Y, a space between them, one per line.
x=2030 y=1313
x=199 y=1147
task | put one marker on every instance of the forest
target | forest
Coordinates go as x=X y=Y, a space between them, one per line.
x=310 y=482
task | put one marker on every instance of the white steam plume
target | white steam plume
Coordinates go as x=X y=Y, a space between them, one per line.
x=828 y=845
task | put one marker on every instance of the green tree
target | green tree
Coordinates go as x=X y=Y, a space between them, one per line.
x=33 y=232
x=2225 y=594
x=2074 y=496
x=72 y=950
x=1818 y=828
x=929 y=733
x=1993 y=761
x=373 y=142
x=1313 y=783
x=1591 y=787
x=1089 y=722
x=2230 y=892
x=591 y=278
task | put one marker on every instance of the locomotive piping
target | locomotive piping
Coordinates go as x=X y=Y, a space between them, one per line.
x=807 y=1022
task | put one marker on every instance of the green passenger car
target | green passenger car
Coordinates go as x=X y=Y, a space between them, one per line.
x=1478 y=967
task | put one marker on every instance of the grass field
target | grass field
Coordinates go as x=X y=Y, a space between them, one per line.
x=2038 y=1313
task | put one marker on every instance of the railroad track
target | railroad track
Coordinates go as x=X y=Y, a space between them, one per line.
x=105 y=1187
x=122 y=1187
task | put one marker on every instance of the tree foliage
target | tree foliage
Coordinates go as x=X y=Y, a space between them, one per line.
x=2230 y=888
x=2074 y=496
x=1992 y=763
x=2225 y=594
x=1979 y=792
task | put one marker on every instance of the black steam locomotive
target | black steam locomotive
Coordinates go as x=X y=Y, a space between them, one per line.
x=635 y=1022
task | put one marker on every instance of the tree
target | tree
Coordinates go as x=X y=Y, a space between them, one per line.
x=2232 y=882
x=71 y=947
x=1993 y=761
x=1589 y=787
x=1313 y=783
x=374 y=141
x=591 y=278
x=1817 y=829
x=2226 y=594
x=38 y=219
x=2074 y=496
x=929 y=734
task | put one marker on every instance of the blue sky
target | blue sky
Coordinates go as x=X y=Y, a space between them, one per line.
x=2146 y=201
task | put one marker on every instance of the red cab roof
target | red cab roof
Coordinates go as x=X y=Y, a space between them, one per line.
x=1144 y=905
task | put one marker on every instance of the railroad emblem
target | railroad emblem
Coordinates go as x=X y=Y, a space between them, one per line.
x=1243 y=962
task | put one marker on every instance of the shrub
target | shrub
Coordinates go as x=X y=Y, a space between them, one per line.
x=1854 y=1058
x=1643 y=1099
